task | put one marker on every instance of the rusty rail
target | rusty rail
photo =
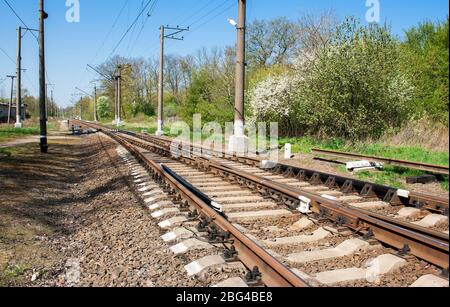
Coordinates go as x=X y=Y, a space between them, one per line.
x=274 y=273
x=391 y=195
x=431 y=168
x=423 y=243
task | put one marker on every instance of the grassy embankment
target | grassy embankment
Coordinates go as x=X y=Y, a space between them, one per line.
x=9 y=133
x=392 y=176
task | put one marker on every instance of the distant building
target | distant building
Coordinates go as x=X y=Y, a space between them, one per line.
x=4 y=112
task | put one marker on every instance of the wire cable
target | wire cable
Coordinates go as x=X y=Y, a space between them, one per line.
x=130 y=27
x=7 y=55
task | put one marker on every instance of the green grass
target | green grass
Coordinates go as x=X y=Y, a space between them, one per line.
x=12 y=274
x=391 y=176
x=415 y=154
x=7 y=133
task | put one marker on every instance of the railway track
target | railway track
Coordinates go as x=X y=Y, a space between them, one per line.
x=253 y=213
x=431 y=168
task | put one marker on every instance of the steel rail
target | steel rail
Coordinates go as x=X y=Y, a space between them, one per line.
x=274 y=273
x=391 y=195
x=431 y=168
x=421 y=242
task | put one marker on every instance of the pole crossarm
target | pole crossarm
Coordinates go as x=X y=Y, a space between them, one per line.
x=177 y=30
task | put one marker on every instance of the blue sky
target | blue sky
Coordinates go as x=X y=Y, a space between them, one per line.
x=70 y=46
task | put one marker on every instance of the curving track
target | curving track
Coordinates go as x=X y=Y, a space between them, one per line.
x=344 y=240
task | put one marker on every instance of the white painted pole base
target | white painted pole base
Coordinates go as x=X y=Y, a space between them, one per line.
x=287 y=151
x=238 y=144
x=18 y=126
x=159 y=131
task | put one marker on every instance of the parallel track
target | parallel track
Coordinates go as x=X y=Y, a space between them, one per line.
x=423 y=243
x=431 y=168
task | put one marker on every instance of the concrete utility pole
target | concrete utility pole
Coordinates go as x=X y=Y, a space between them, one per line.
x=95 y=104
x=160 y=130
x=53 y=104
x=47 y=104
x=19 y=78
x=11 y=100
x=43 y=119
x=239 y=142
x=163 y=36
x=81 y=108
x=119 y=95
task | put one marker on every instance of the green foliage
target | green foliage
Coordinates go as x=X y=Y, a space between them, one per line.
x=10 y=132
x=426 y=57
x=354 y=89
x=204 y=97
x=103 y=108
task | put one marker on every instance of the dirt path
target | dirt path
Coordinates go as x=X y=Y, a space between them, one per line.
x=21 y=141
x=71 y=219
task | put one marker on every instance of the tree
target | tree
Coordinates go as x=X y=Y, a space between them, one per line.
x=426 y=57
x=271 y=42
x=353 y=88
x=103 y=107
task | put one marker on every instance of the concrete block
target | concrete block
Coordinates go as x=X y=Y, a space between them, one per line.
x=240 y=216
x=318 y=235
x=433 y=220
x=154 y=192
x=161 y=205
x=236 y=282
x=430 y=281
x=384 y=264
x=261 y=205
x=203 y=264
x=168 y=211
x=340 y=276
x=408 y=212
x=304 y=223
x=374 y=205
x=155 y=199
x=240 y=199
x=191 y=244
x=173 y=222
x=347 y=248
x=179 y=234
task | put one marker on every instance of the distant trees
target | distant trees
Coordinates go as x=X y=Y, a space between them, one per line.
x=352 y=88
x=103 y=108
x=315 y=76
x=426 y=51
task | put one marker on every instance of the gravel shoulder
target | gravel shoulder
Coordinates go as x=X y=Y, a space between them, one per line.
x=71 y=218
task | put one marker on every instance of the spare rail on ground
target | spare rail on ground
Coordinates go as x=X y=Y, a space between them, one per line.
x=431 y=168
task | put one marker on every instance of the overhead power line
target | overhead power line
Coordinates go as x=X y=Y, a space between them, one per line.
x=7 y=55
x=17 y=15
x=130 y=27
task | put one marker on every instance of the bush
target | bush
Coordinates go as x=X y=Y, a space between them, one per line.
x=353 y=89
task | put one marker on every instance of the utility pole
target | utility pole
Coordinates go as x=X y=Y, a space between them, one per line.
x=81 y=108
x=118 y=77
x=11 y=100
x=52 y=103
x=111 y=80
x=163 y=36
x=19 y=78
x=43 y=119
x=239 y=142
x=160 y=124
x=95 y=104
x=92 y=96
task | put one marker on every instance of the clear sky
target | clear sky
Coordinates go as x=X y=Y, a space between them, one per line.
x=70 y=46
